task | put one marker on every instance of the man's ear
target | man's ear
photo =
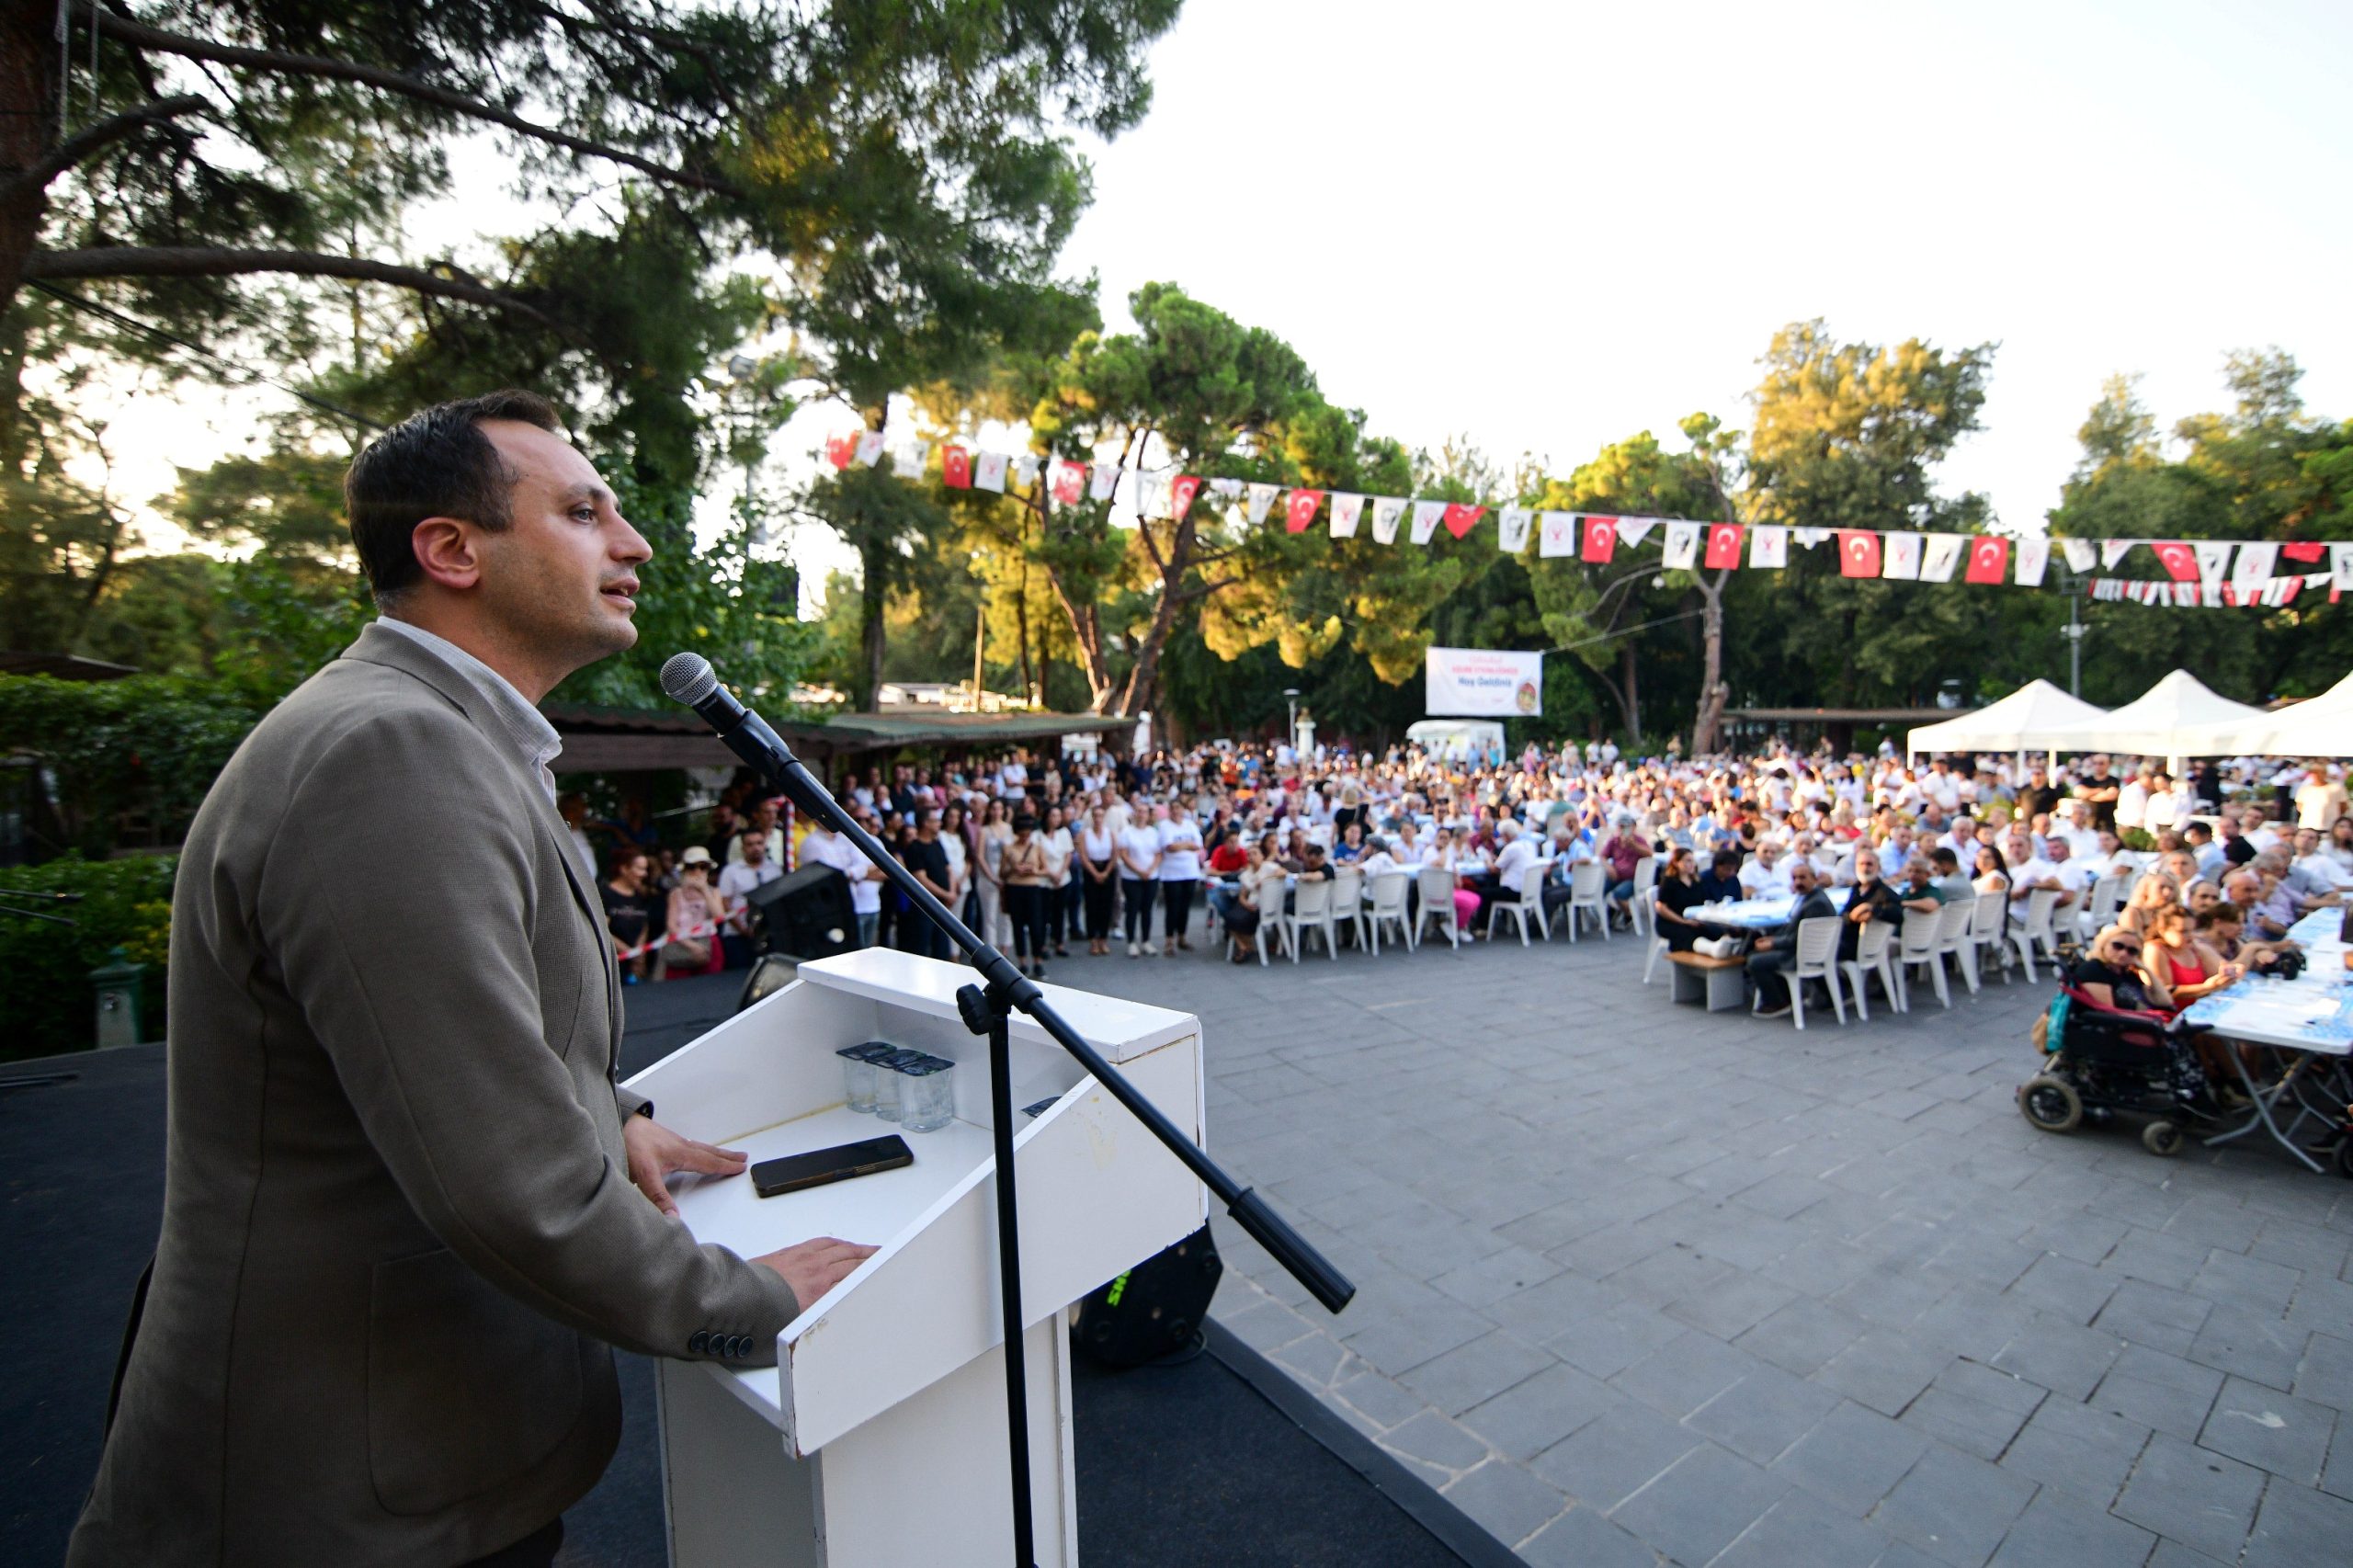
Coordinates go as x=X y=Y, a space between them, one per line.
x=447 y=552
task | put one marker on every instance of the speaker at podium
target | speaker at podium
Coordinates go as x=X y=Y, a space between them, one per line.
x=879 y=1439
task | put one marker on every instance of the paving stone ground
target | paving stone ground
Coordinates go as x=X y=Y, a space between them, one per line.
x=1638 y=1282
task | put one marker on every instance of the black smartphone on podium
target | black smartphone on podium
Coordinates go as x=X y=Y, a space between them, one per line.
x=791 y=1173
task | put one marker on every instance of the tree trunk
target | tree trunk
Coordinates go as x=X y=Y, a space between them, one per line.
x=1086 y=635
x=1143 y=681
x=1629 y=694
x=27 y=129
x=874 y=567
x=1712 y=692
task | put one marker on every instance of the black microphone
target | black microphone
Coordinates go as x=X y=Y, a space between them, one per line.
x=689 y=678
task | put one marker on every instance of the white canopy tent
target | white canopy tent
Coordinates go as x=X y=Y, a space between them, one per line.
x=2321 y=726
x=2156 y=723
x=2036 y=717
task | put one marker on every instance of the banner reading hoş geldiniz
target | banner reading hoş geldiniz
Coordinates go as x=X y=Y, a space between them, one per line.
x=1479 y=683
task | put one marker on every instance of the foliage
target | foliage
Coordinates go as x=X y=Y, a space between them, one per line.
x=45 y=990
x=150 y=745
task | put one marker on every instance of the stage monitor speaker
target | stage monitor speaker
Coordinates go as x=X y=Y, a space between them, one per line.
x=1154 y=1309
x=807 y=912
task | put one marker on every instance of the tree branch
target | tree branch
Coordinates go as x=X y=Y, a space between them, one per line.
x=91 y=140
x=175 y=261
x=140 y=36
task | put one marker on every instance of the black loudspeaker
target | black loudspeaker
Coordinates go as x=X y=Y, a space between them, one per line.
x=807 y=912
x=1154 y=1309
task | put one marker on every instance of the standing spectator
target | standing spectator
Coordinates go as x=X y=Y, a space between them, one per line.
x=723 y=828
x=825 y=848
x=1181 y=874
x=996 y=831
x=2099 y=790
x=1062 y=883
x=1024 y=865
x=574 y=809
x=631 y=911
x=924 y=856
x=1138 y=873
x=1098 y=850
x=2321 y=802
x=694 y=903
x=735 y=885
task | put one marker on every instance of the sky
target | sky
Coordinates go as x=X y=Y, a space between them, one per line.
x=1549 y=226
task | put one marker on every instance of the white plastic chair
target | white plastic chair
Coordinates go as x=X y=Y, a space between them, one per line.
x=1312 y=910
x=1871 y=952
x=1645 y=885
x=1588 y=890
x=2102 y=903
x=1270 y=928
x=1659 y=949
x=1437 y=887
x=1984 y=951
x=1347 y=901
x=1389 y=907
x=1917 y=948
x=1817 y=959
x=1953 y=922
x=2035 y=929
x=1530 y=903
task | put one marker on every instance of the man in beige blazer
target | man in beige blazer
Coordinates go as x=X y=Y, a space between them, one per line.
x=406 y=1208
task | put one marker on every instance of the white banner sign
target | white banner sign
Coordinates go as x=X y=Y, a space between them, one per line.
x=1475 y=683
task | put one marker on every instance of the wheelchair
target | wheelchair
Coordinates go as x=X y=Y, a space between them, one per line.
x=2106 y=1061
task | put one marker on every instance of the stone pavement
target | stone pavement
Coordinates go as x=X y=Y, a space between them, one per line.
x=1638 y=1282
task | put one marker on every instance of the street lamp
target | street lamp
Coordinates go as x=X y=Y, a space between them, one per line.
x=1290 y=698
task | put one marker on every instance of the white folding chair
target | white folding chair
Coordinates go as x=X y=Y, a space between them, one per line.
x=1389 y=906
x=1646 y=918
x=1588 y=894
x=1435 y=884
x=2035 y=929
x=2101 y=905
x=1988 y=912
x=1310 y=911
x=1917 y=948
x=1270 y=928
x=1529 y=902
x=1659 y=949
x=1817 y=959
x=1954 y=922
x=1347 y=901
x=1872 y=946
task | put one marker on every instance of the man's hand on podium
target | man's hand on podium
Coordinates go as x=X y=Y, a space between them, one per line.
x=656 y=1152
x=815 y=1267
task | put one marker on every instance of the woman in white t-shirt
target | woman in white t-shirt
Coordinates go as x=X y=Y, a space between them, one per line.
x=996 y=832
x=1139 y=872
x=1062 y=891
x=1099 y=877
x=1180 y=877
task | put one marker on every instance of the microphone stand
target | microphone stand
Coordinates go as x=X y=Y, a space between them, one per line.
x=987 y=1009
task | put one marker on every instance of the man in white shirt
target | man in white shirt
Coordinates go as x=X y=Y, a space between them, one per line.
x=736 y=882
x=1766 y=873
x=2132 y=799
x=825 y=848
x=2157 y=816
x=1519 y=853
x=2321 y=800
x=2052 y=869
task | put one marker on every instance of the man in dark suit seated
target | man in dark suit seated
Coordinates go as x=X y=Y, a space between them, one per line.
x=1772 y=953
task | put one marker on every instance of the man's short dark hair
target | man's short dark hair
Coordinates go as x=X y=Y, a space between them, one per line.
x=1946 y=860
x=434 y=464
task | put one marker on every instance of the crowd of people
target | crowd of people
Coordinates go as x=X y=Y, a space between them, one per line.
x=1136 y=853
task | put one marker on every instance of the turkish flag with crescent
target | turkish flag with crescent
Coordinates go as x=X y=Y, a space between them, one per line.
x=842 y=450
x=1300 y=510
x=1462 y=517
x=956 y=468
x=1070 y=483
x=1181 y=491
x=1724 y=545
x=1600 y=539
x=1858 y=552
x=2179 y=561
x=1989 y=559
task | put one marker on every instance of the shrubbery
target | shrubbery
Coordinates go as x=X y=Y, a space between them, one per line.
x=45 y=993
x=151 y=744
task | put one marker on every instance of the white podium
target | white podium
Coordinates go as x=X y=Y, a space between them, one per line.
x=878 y=1441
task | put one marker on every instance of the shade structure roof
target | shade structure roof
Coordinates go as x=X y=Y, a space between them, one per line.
x=2320 y=726
x=2038 y=716
x=2154 y=723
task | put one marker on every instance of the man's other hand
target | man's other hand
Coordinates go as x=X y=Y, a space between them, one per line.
x=656 y=1152
x=815 y=1267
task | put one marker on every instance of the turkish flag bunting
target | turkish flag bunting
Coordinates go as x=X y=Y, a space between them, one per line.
x=956 y=468
x=1181 y=491
x=1858 y=552
x=1989 y=559
x=1070 y=483
x=2179 y=561
x=1462 y=517
x=1600 y=538
x=2304 y=550
x=1724 y=545
x=842 y=450
x=1301 y=509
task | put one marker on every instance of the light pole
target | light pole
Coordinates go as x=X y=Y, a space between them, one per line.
x=1291 y=699
x=2073 y=633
